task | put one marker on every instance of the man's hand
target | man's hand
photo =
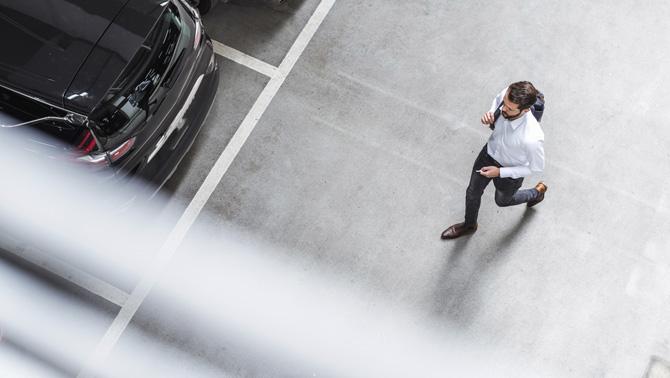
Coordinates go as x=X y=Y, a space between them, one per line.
x=490 y=172
x=487 y=118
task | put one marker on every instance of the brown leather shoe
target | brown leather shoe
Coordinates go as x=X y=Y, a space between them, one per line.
x=458 y=230
x=542 y=188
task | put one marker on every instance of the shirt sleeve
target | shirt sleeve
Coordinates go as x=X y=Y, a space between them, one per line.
x=497 y=100
x=535 y=153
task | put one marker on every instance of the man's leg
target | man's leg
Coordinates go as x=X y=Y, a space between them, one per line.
x=508 y=193
x=473 y=195
x=473 y=198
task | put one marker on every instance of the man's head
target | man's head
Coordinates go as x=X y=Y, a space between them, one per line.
x=519 y=98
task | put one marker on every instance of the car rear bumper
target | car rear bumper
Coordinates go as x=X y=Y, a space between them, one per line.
x=160 y=158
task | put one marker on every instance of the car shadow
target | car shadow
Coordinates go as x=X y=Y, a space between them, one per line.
x=258 y=28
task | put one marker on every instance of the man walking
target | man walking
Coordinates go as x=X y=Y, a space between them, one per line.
x=514 y=150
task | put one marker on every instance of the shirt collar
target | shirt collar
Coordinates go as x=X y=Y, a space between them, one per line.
x=517 y=122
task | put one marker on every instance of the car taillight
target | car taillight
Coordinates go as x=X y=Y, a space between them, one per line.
x=122 y=150
x=102 y=158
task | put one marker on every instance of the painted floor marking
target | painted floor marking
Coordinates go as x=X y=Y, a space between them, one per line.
x=169 y=248
x=244 y=59
x=74 y=275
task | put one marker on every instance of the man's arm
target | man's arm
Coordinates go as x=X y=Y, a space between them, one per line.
x=487 y=118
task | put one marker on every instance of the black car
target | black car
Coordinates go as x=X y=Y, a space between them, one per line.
x=121 y=85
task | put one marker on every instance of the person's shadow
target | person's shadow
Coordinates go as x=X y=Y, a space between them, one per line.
x=456 y=295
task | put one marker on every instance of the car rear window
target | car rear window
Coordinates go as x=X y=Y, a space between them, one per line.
x=135 y=93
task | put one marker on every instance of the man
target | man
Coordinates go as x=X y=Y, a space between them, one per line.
x=514 y=150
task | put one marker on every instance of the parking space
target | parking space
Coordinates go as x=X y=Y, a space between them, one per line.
x=349 y=158
x=258 y=29
x=188 y=184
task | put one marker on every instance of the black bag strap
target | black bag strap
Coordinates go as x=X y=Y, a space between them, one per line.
x=496 y=115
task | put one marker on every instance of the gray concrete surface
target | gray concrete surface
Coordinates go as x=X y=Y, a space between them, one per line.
x=362 y=159
x=257 y=28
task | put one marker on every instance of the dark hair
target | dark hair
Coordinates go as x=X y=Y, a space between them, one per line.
x=522 y=93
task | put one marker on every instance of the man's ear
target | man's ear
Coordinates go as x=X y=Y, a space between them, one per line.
x=525 y=110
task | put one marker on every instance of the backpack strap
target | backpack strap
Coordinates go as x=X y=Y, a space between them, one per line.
x=538 y=107
x=496 y=115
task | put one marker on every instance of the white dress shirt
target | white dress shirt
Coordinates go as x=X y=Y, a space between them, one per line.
x=517 y=145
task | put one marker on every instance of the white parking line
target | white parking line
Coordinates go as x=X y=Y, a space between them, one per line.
x=73 y=275
x=224 y=161
x=244 y=59
x=100 y=287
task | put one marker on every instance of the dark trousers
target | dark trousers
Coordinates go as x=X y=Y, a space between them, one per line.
x=507 y=189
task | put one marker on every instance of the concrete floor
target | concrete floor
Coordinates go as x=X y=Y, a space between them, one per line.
x=363 y=157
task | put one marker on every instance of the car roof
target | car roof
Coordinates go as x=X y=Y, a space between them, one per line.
x=69 y=52
x=44 y=42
